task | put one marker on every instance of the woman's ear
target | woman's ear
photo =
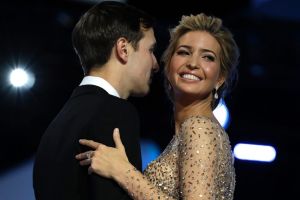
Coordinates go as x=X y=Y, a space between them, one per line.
x=220 y=82
x=122 y=49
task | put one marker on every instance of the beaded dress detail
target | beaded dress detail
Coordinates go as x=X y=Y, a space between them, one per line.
x=196 y=164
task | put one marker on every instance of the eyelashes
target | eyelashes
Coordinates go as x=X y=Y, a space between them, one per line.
x=206 y=57
x=209 y=58
x=182 y=52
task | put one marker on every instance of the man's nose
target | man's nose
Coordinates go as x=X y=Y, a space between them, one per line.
x=155 y=67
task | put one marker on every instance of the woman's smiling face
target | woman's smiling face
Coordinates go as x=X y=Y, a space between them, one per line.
x=195 y=65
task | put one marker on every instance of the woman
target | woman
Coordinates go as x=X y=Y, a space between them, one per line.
x=200 y=63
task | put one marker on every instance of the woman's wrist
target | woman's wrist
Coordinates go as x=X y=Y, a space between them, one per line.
x=122 y=172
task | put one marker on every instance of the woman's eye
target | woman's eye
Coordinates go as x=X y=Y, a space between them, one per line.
x=182 y=52
x=209 y=58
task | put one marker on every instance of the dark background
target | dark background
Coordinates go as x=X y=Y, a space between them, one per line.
x=264 y=106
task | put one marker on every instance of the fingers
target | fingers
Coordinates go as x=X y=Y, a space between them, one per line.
x=85 y=162
x=118 y=143
x=85 y=158
x=117 y=139
x=85 y=155
x=89 y=143
x=90 y=170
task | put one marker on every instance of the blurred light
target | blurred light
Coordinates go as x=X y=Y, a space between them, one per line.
x=64 y=19
x=18 y=77
x=150 y=150
x=257 y=70
x=21 y=78
x=17 y=179
x=278 y=9
x=257 y=3
x=222 y=114
x=262 y=153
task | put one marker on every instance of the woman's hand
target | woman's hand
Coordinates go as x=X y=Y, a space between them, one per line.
x=106 y=161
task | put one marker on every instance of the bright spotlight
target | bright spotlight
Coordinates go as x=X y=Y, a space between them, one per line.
x=150 y=151
x=21 y=78
x=222 y=114
x=253 y=152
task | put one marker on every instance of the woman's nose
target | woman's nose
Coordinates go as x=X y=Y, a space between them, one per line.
x=193 y=63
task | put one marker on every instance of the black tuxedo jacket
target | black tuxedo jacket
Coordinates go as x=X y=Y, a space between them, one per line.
x=90 y=113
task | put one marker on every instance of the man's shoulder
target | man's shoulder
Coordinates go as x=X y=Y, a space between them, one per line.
x=93 y=97
x=91 y=92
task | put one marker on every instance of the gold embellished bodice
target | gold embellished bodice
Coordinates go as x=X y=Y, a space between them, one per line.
x=163 y=172
x=197 y=163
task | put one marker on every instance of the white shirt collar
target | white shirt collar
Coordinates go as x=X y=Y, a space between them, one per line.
x=100 y=82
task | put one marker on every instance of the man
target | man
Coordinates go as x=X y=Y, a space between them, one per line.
x=115 y=43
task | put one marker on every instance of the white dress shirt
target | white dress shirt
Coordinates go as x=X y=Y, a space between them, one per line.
x=100 y=82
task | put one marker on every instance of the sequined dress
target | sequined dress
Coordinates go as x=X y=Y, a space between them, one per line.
x=197 y=163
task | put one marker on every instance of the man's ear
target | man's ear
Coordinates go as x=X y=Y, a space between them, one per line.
x=122 y=49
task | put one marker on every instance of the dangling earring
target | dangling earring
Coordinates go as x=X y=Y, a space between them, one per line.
x=216 y=96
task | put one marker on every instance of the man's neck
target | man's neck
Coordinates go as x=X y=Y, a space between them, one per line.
x=113 y=78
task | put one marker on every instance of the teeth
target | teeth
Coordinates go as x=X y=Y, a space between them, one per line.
x=190 y=76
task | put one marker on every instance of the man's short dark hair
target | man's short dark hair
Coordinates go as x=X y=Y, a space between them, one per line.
x=101 y=26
